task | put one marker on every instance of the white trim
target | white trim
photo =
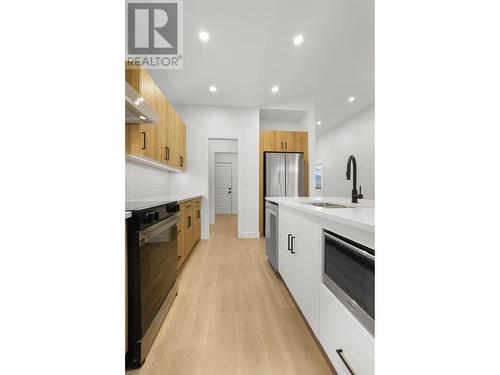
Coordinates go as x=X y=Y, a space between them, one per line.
x=241 y=173
x=204 y=236
x=249 y=235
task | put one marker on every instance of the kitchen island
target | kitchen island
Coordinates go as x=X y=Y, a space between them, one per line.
x=321 y=239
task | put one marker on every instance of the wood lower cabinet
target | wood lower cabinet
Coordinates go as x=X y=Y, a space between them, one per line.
x=197 y=220
x=189 y=229
x=164 y=142
x=181 y=242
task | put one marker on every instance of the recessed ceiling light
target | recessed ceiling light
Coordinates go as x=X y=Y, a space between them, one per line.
x=142 y=117
x=318 y=122
x=212 y=89
x=203 y=35
x=275 y=89
x=298 y=40
x=351 y=99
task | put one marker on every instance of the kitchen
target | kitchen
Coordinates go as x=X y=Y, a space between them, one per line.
x=244 y=164
x=208 y=160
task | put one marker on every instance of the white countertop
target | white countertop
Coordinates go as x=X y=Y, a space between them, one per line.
x=140 y=204
x=361 y=216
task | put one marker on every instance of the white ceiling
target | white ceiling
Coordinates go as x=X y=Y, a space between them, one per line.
x=250 y=50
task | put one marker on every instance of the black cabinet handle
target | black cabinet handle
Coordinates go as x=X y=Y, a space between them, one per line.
x=197 y=214
x=167 y=153
x=289 y=235
x=181 y=161
x=143 y=140
x=286 y=146
x=189 y=221
x=282 y=145
x=340 y=352
x=292 y=243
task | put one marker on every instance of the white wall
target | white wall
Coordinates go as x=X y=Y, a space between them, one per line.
x=355 y=136
x=279 y=125
x=204 y=122
x=145 y=182
x=232 y=158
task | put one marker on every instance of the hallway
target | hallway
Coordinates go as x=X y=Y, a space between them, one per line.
x=232 y=315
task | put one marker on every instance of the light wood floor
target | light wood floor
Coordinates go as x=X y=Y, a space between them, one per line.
x=232 y=316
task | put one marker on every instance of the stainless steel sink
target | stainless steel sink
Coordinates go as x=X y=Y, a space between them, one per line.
x=328 y=205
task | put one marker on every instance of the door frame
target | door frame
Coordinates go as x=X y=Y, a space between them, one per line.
x=206 y=168
x=230 y=164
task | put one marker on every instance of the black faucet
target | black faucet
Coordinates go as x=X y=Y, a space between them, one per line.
x=355 y=195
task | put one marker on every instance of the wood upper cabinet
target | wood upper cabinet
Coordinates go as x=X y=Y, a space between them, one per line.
x=142 y=139
x=283 y=141
x=164 y=142
x=182 y=145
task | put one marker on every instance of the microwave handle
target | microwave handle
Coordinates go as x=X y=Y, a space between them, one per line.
x=351 y=247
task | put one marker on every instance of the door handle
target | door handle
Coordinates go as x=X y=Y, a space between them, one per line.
x=340 y=352
x=289 y=249
x=143 y=140
x=292 y=243
x=282 y=145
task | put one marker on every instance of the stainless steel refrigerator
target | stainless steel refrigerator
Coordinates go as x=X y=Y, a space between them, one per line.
x=284 y=174
x=284 y=177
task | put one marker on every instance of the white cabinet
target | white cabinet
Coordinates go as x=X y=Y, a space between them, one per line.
x=339 y=330
x=299 y=266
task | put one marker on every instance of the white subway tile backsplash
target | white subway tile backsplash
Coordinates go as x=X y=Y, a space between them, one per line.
x=144 y=182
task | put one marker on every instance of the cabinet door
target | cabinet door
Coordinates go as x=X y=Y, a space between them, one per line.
x=272 y=140
x=300 y=141
x=189 y=232
x=197 y=221
x=162 y=109
x=284 y=256
x=300 y=269
x=288 y=141
x=182 y=145
x=306 y=276
x=149 y=132
x=181 y=244
x=142 y=139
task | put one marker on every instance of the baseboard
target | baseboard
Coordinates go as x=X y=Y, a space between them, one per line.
x=249 y=235
x=204 y=236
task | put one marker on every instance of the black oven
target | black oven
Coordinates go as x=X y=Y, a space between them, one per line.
x=349 y=272
x=152 y=276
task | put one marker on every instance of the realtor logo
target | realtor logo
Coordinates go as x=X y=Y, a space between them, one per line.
x=154 y=33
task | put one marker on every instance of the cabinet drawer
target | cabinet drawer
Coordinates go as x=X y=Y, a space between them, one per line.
x=340 y=330
x=186 y=206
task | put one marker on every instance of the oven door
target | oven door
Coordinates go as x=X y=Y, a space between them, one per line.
x=152 y=276
x=349 y=272
x=158 y=258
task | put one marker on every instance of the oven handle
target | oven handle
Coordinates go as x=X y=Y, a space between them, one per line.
x=351 y=247
x=153 y=230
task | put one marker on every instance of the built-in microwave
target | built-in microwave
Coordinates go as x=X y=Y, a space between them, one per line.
x=349 y=272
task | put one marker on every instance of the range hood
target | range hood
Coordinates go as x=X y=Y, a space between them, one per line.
x=137 y=110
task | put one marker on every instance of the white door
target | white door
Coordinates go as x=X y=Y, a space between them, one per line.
x=223 y=177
